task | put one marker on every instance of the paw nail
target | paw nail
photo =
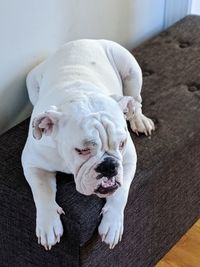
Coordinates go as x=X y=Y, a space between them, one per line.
x=111 y=247
x=60 y=211
x=103 y=238
x=58 y=238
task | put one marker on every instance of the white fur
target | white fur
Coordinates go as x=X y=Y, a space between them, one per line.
x=78 y=97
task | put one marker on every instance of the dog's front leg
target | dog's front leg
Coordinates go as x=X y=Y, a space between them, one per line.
x=49 y=228
x=112 y=224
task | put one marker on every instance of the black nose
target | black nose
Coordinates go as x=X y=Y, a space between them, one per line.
x=108 y=167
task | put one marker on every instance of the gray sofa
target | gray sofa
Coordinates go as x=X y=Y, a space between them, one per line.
x=164 y=198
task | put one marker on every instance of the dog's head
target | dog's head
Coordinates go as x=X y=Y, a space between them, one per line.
x=91 y=135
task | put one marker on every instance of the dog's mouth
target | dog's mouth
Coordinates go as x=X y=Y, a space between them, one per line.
x=89 y=182
x=107 y=186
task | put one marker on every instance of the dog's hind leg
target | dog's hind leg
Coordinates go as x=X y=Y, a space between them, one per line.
x=131 y=76
x=33 y=80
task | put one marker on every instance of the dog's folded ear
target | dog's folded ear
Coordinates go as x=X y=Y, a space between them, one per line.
x=127 y=104
x=46 y=123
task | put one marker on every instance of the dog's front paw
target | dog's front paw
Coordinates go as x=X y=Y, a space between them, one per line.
x=111 y=228
x=49 y=227
x=141 y=124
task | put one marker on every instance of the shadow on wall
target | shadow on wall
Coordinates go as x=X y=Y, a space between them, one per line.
x=14 y=103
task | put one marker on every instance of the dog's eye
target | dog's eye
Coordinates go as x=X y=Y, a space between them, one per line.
x=85 y=151
x=121 y=145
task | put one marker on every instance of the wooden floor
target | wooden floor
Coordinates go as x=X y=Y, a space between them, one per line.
x=186 y=253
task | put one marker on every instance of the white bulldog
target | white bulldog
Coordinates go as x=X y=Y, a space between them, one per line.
x=78 y=126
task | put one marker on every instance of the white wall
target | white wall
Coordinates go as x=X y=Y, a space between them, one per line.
x=195 y=7
x=146 y=19
x=31 y=30
x=175 y=10
x=128 y=22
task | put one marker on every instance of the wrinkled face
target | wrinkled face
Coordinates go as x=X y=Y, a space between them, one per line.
x=91 y=141
x=94 y=151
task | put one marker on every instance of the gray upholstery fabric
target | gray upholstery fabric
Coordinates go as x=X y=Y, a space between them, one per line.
x=165 y=195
